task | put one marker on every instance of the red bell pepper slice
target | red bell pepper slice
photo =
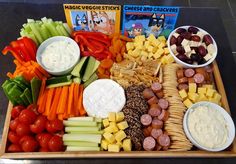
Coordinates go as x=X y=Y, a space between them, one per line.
x=30 y=46
x=106 y=43
x=14 y=53
x=80 y=38
x=20 y=48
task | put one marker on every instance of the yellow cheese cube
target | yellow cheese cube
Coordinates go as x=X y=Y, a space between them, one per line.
x=151 y=37
x=157 y=55
x=161 y=45
x=150 y=55
x=144 y=53
x=109 y=129
x=147 y=43
x=127 y=146
x=113 y=148
x=210 y=92
x=109 y=137
x=144 y=58
x=188 y=103
x=160 y=51
x=123 y=125
x=120 y=116
x=129 y=46
x=183 y=93
x=161 y=38
x=130 y=52
x=113 y=127
x=211 y=99
x=154 y=50
x=202 y=97
x=119 y=143
x=193 y=96
x=163 y=60
x=104 y=144
x=208 y=86
x=136 y=52
x=120 y=135
x=140 y=38
x=150 y=48
x=166 y=51
x=169 y=59
x=217 y=96
x=112 y=116
x=105 y=122
x=192 y=87
x=201 y=90
x=155 y=43
x=138 y=44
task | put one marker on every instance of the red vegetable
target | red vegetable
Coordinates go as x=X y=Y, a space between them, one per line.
x=44 y=140
x=27 y=116
x=16 y=111
x=55 y=143
x=30 y=145
x=22 y=129
x=14 y=123
x=14 y=148
x=13 y=137
x=39 y=125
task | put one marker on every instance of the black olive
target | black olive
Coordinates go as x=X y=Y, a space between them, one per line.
x=195 y=57
x=182 y=57
x=189 y=61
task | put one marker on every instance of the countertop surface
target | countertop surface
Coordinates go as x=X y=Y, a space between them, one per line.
x=13 y=15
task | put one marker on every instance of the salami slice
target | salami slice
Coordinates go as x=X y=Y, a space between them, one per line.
x=146 y=119
x=189 y=72
x=164 y=115
x=157 y=124
x=153 y=100
x=183 y=86
x=155 y=133
x=180 y=73
x=154 y=111
x=160 y=94
x=156 y=87
x=183 y=80
x=198 y=78
x=149 y=143
x=163 y=103
x=164 y=140
x=148 y=93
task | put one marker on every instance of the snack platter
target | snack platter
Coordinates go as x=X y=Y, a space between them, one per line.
x=144 y=87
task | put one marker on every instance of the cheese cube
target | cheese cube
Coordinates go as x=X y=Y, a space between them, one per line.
x=187 y=48
x=192 y=87
x=183 y=93
x=120 y=116
x=211 y=99
x=163 y=60
x=204 y=45
x=202 y=97
x=161 y=38
x=173 y=48
x=207 y=57
x=105 y=122
x=150 y=48
x=151 y=38
x=201 y=90
x=123 y=125
x=188 y=103
x=130 y=52
x=169 y=59
x=150 y=55
x=155 y=43
x=120 y=135
x=176 y=34
x=119 y=143
x=112 y=116
x=109 y=137
x=144 y=53
x=211 y=49
x=147 y=44
x=139 y=38
x=161 y=45
x=208 y=86
x=193 y=96
x=129 y=46
x=154 y=50
x=200 y=34
x=104 y=144
x=113 y=148
x=210 y=92
x=194 y=44
x=217 y=96
x=127 y=145
x=144 y=58
x=136 y=52
x=166 y=51
x=113 y=127
x=109 y=129
x=159 y=52
x=185 y=42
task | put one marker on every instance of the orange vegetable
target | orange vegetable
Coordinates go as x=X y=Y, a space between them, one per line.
x=119 y=58
x=100 y=70
x=125 y=38
x=53 y=111
x=70 y=99
x=49 y=101
x=82 y=111
x=106 y=63
x=41 y=95
x=76 y=96
x=64 y=100
x=42 y=105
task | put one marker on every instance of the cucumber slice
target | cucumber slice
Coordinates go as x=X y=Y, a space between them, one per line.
x=82 y=148
x=79 y=69
x=90 y=68
x=83 y=137
x=35 y=87
x=60 y=84
x=22 y=80
x=92 y=79
x=77 y=80
x=28 y=95
x=24 y=99
x=60 y=79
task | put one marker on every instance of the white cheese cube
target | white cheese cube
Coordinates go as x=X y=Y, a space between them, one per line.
x=185 y=42
x=173 y=48
x=176 y=35
x=204 y=45
x=200 y=34
x=211 y=49
x=194 y=44
x=208 y=57
x=187 y=49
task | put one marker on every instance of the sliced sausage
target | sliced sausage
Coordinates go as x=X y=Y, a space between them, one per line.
x=158 y=147
x=146 y=119
x=183 y=86
x=183 y=80
x=156 y=87
x=180 y=73
x=201 y=71
x=155 y=133
x=153 y=100
x=149 y=143
x=163 y=103
x=198 y=78
x=209 y=69
x=160 y=94
x=148 y=93
x=164 y=115
x=165 y=148
x=164 y=140
x=146 y=132
x=189 y=72
x=154 y=111
x=191 y=80
x=156 y=123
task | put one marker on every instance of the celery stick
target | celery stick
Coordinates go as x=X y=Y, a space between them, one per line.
x=83 y=137
x=67 y=28
x=59 y=30
x=78 y=143
x=80 y=148
x=98 y=119
x=100 y=125
x=44 y=19
x=81 y=119
x=81 y=129
x=94 y=132
x=51 y=28
x=30 y=20
x=36 y=32
x=23 y=33
x=80 y=123
x=64 y=32
x=27 y=28
x=46 y=30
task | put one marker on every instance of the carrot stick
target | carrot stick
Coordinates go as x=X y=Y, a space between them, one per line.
x=42 y=89
x=70 y=99
x=10 y=75
x=60 y=116
x=82 y=111
x=49 y=101
x=63 y=103
x=42 y=104
x=76 y=96
x=53 y=111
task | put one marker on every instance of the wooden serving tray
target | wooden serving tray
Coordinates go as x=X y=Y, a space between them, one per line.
x=230 y=152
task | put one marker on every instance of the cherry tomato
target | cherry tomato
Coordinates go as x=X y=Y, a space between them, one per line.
x=39 y=136
x=30 y=145
x=13 y=137
x=14 y=123
x=14 y=148
x=22 y=129
x=43 y=142
x=25 y=138
x=55 y=143
x=39 y=125
x=33 y=107
x=27 y=116
x=16 y=111
x=43 y=150
x=49 y=127
x=57 y=125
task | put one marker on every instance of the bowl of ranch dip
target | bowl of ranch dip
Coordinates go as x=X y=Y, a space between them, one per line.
x=208 y=126
x=58 y=55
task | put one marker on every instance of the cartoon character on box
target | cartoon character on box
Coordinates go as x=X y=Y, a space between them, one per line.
x=102 y=23
x=81 y=23
x=135 y=30
x=156 y=25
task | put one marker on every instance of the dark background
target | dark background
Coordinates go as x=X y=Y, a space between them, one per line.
x=217 y=17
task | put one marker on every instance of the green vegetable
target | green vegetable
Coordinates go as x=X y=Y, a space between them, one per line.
x=79 y=69
x=81 y=129
x=22 y=80
x=78 y=143
x=94 y=132
x=83 y=137
x=28 y=95
x=5 y=86
x=60 y=79
x=24 y=99
x=81 y=148
x=90 y=68
x=79 y=123
x=81 y=119
x=92 y=79
x=60 y=84
x=77 y=80
x=35 y=87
